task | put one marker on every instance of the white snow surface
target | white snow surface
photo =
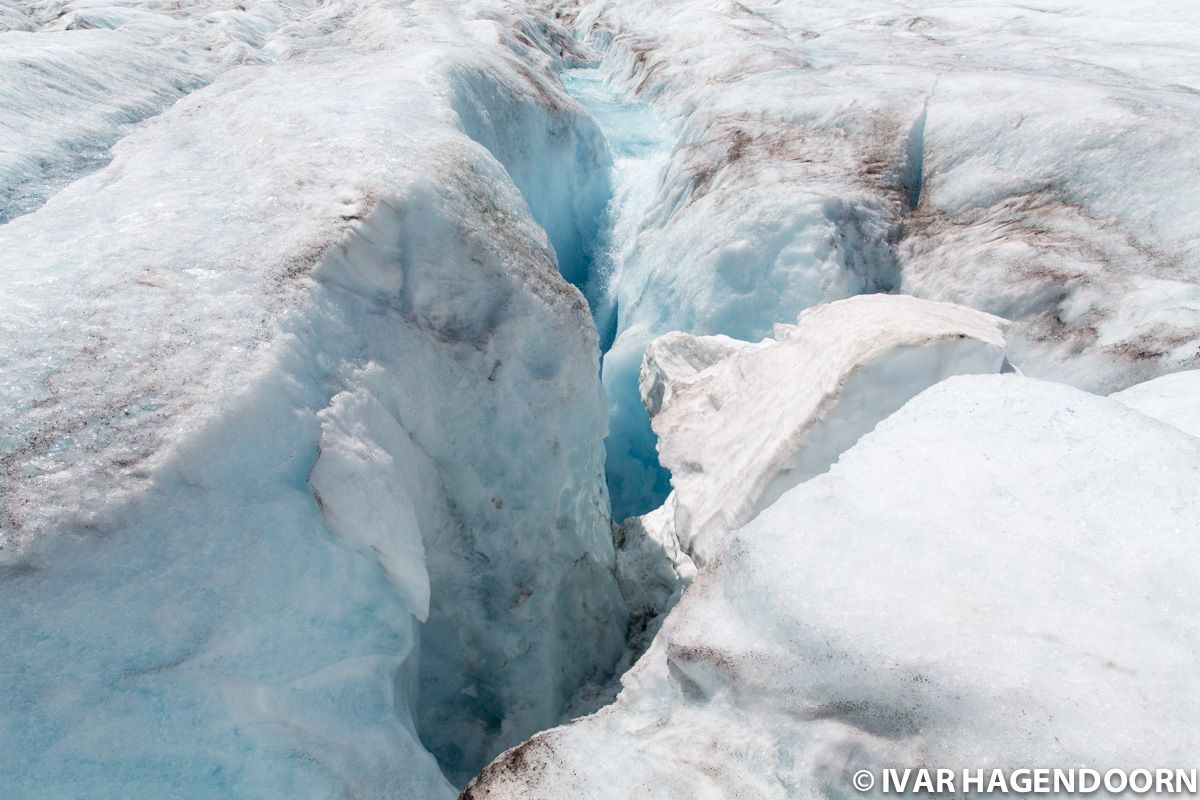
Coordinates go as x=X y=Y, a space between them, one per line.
x=740 y=424
x=76 y=76
x=1001 y=574
x=292 y=375
x=1030 y=159
x=1174 y=399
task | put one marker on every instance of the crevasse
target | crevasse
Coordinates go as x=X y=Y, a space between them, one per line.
x=641 y=147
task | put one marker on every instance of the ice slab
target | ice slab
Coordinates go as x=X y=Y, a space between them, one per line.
x=739 y=424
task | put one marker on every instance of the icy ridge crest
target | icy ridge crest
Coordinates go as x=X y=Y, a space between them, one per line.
x=739 y=423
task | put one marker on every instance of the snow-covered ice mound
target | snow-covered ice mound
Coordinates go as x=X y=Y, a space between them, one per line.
x=292 y=375
x=739 y=424
x=1174 y=399
x=1002 y=574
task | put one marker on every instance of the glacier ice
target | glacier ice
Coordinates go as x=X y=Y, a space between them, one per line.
x=1000 y=574
x=76 y=77
x=306 y=432
x=823 y=151
x=292 y=374
x=739 y=424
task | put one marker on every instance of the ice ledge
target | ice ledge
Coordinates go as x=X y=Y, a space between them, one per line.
x=740 y=423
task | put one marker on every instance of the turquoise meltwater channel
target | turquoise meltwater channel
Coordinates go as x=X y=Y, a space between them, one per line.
x=640 y=145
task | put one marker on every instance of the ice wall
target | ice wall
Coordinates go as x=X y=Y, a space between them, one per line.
x=302 y=459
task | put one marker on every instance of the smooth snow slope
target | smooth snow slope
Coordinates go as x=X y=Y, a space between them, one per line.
x=1001 y=574
x=294 y=374
x=1032 y=160
x=1174 y=399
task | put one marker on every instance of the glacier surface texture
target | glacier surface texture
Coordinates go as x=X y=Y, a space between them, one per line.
x=594 y=398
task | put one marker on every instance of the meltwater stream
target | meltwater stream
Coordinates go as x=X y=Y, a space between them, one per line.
x=640 y=145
